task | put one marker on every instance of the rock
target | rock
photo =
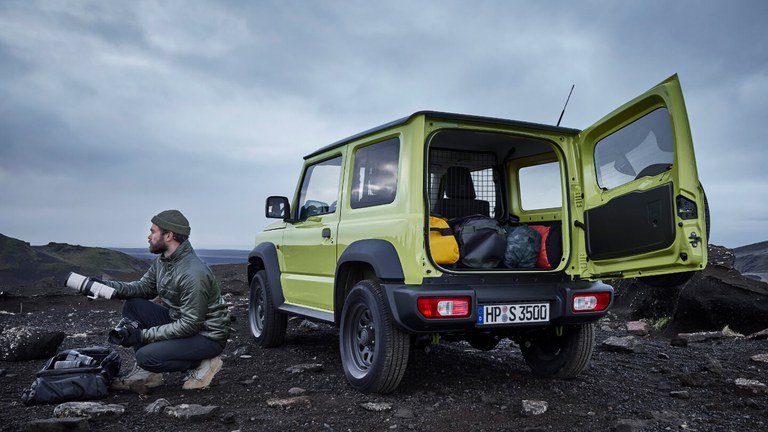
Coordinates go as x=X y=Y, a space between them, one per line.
x=628 y=425
x=679 y=342
x=681 y=394
x=376 y=406
x=762 y=334
x=533 y=407
x=749 y=386
x=638 y=328
x=59 y=424
x=289 y=402
x=700 y=336
x=762 y=358
x=29 y=343
x=627 y=344
x=713 y=365
x=693 y=380
x=309 y=325
x=240 y=351
x=717 y=296
x=305 y=367
x=92 y=410
x=157 y=406
x=404 y=413
x=296 y=391
x=191 y=412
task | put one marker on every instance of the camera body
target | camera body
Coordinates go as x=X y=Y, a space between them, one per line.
x=89 y=287
x=120 y=332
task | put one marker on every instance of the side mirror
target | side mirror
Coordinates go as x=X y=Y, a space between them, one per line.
x=278 y=207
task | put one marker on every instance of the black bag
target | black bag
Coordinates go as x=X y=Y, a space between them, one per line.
x=481 y=241
x=74 y=375
x=523 y=246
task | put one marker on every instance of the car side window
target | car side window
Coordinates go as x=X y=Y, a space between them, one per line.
x=320 y=188
x=644 y=147
x=374 y=176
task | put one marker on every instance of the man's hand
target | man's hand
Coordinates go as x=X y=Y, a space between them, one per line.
x=131 y=336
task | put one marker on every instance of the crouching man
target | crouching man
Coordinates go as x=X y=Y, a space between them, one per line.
x=188 y=329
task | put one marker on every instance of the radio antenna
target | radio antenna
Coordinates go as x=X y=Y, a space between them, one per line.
x=566 y=104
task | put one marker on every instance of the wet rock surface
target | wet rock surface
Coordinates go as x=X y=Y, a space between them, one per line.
x=714 y=382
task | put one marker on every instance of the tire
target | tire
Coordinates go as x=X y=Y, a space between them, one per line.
x=483 y=341
x=677 y=279
x=562 y=356
x=374 y=351
x=267 y=324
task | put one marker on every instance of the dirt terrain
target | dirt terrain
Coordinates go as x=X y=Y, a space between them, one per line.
x=450 y=387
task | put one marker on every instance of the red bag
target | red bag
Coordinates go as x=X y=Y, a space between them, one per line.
x=551 y=246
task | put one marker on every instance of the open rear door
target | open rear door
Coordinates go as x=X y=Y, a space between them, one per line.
x=643 y=210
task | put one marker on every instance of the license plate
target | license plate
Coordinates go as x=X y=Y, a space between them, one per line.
x=512 y=314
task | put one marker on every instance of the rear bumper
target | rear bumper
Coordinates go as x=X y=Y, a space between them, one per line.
x=402 y=302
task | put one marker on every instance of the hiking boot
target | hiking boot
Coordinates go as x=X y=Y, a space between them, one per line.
x=137 y=378
x=201 y=377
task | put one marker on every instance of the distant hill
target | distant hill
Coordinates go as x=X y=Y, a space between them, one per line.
x=20 y=262
x=752 y=260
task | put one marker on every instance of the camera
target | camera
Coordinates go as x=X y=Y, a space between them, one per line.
x=74 y=360
x=120 y=332
x=89 y=287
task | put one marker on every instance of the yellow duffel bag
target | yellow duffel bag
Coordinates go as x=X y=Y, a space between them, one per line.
x=442 y=243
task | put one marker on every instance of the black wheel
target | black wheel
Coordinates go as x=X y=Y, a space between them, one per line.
x=559 y=352
x=266 y=322
x=483 y=341
x=374 y=351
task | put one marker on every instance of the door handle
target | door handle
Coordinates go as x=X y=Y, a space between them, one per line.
x=326 y=233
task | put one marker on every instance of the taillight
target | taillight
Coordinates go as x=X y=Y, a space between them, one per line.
x=444 y=307
x=591 y=302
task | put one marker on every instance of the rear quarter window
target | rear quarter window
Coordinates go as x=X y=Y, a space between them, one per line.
x=374 y=174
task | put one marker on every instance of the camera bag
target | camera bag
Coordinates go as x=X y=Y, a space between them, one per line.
x=481 y=241
x=78 y=374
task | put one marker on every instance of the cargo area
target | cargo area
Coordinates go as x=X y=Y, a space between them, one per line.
x=501 y=198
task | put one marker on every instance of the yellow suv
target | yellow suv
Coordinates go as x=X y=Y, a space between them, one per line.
x=443 y=226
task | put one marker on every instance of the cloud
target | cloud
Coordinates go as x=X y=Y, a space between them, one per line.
x=120 y=110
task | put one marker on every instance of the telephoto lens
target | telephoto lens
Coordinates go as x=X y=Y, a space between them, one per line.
x=88 y=286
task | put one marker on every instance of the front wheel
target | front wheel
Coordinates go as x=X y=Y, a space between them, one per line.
x=561 y=352
x=374 y=351
x=267 y=324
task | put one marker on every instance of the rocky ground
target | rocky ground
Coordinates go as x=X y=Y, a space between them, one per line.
x=638 y=383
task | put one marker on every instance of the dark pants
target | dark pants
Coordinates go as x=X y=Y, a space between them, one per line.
x=171 y=355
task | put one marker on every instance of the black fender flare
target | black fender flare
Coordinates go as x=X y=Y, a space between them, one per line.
x=381 y=255
x=264 y=257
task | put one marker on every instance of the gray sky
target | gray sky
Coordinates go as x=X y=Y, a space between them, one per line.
x=113 y=111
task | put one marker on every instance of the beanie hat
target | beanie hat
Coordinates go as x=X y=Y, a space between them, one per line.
x=173 y=221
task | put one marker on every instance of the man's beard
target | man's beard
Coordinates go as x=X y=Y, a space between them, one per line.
x=158 y=248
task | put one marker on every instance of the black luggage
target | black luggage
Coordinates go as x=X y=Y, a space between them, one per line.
x=481 y=241
x=74 y=375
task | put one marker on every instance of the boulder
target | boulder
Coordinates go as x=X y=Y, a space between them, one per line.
x=713 y=298
x=29 y=343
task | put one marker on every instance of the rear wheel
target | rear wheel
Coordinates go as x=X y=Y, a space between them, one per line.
x=267 y=324
x=374 y=351
x=560 y=351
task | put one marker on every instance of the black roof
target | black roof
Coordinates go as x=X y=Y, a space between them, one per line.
x=453 y=117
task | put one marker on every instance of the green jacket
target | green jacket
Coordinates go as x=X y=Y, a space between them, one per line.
x=188 y=289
